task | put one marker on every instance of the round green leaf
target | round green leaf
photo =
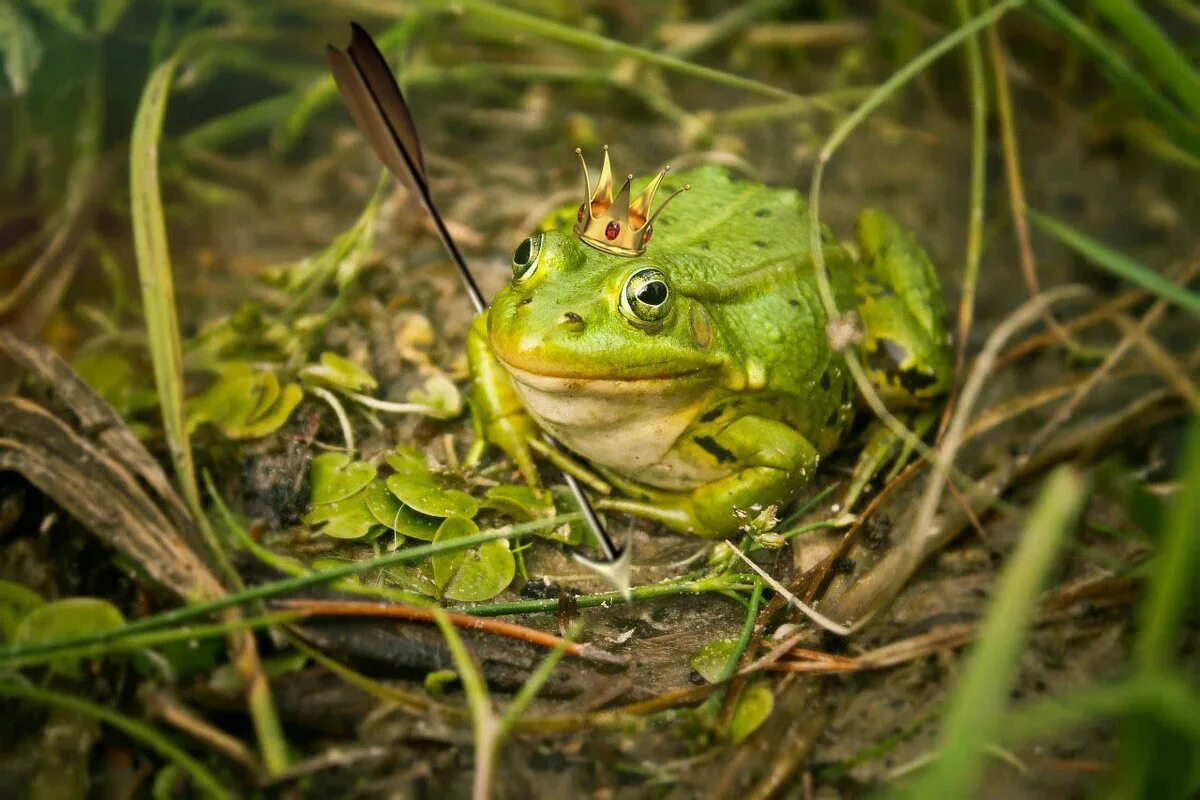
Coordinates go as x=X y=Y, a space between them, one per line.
x=753 y=708
x=407 y=461
x=15 y=602
x=426 y=494
x=479 y=573
x=73 y=616
x=521 y=503
x=389 y=511
x=335 y=477
x=711 y=659
x=345 y=519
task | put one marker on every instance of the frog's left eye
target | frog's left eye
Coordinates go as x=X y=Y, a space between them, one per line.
x=525 y=259
x=647 y=296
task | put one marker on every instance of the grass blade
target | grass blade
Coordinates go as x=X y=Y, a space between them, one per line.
x=1124 y=77
x=154 y=273
x=1160 y=52
x=1120 y=265
x=977 y=703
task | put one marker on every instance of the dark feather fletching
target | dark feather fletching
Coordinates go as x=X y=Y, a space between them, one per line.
x=379 y=110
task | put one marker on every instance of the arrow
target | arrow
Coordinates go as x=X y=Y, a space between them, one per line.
x=382 y=115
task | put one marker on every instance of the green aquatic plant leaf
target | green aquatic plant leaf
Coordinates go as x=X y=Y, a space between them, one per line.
x=753 y=708
x=439 y=395
x=428 y=495
x=339 y=374
x=244 y=403
x=16 y=601
x=473 y=575
x=389 y=511
x=407 y=461
x=335 y=476
x=72 y=616
x=348 y=518
x=711 y=659
x=518 y=502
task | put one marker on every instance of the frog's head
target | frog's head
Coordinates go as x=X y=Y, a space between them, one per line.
x=573 y=311
x=587 y=302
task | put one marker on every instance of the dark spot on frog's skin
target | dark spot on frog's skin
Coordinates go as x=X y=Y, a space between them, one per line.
x=704 y=246
x=710 y=415
x=763 y=212
x=715 y=450
x=760 y=244
x=794 y=303
x=825 y=381
x=915 y=380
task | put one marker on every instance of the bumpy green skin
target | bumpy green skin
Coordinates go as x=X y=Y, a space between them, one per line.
x=728 y=403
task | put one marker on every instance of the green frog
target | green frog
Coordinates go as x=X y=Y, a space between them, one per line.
x=684 y=355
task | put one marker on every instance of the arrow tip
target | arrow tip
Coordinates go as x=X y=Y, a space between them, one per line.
x=615 y=572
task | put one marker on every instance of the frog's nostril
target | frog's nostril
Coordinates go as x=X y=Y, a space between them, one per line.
x=571 y=321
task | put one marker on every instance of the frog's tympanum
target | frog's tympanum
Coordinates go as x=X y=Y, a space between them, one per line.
x=682 y=351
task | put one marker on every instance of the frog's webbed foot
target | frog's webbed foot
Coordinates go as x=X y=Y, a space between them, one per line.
x=773 y=463
x=883 y=447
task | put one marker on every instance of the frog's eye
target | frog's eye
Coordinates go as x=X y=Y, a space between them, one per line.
x=525 y=259
x=647 y=297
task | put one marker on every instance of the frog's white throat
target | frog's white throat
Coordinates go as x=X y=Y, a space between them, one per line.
x=628 y=426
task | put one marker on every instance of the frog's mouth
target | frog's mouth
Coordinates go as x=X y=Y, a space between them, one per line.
x=647 y=378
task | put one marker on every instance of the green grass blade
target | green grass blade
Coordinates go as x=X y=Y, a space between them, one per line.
x=1120 y=265
x=1174 y=567
x=1124 y=77
x=1160 y=52
x=977 y=703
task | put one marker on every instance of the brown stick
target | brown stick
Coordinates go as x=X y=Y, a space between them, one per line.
x=362 y=608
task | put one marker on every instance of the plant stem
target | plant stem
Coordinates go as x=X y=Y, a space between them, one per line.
x=275 y=588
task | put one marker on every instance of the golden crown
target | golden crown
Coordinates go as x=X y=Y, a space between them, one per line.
x=619 y=227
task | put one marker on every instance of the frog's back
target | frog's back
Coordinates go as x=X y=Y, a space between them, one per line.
x=742 y=249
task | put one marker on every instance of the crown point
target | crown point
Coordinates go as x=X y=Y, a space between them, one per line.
x=687 y=187
x=667 y=168
x=578 y=151
x=605 y=148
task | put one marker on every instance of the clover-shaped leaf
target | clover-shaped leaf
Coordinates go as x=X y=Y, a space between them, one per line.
x=521 y=503
x=711 y=659
x=389 y=511
x=753 y=708
x=476 y=574
x=335 y=476
x=335 y=372
x=349 y=518
x=65 y=619
x=426 y=494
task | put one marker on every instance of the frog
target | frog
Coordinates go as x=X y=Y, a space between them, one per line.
x=683 y=355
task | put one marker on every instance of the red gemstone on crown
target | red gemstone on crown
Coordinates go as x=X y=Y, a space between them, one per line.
x=579 y=215
x=612 y=230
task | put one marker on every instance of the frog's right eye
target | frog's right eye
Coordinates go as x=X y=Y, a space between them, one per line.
x=525 y=259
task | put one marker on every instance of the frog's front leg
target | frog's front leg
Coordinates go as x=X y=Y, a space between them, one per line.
x=770 y=461
x=500 y=416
